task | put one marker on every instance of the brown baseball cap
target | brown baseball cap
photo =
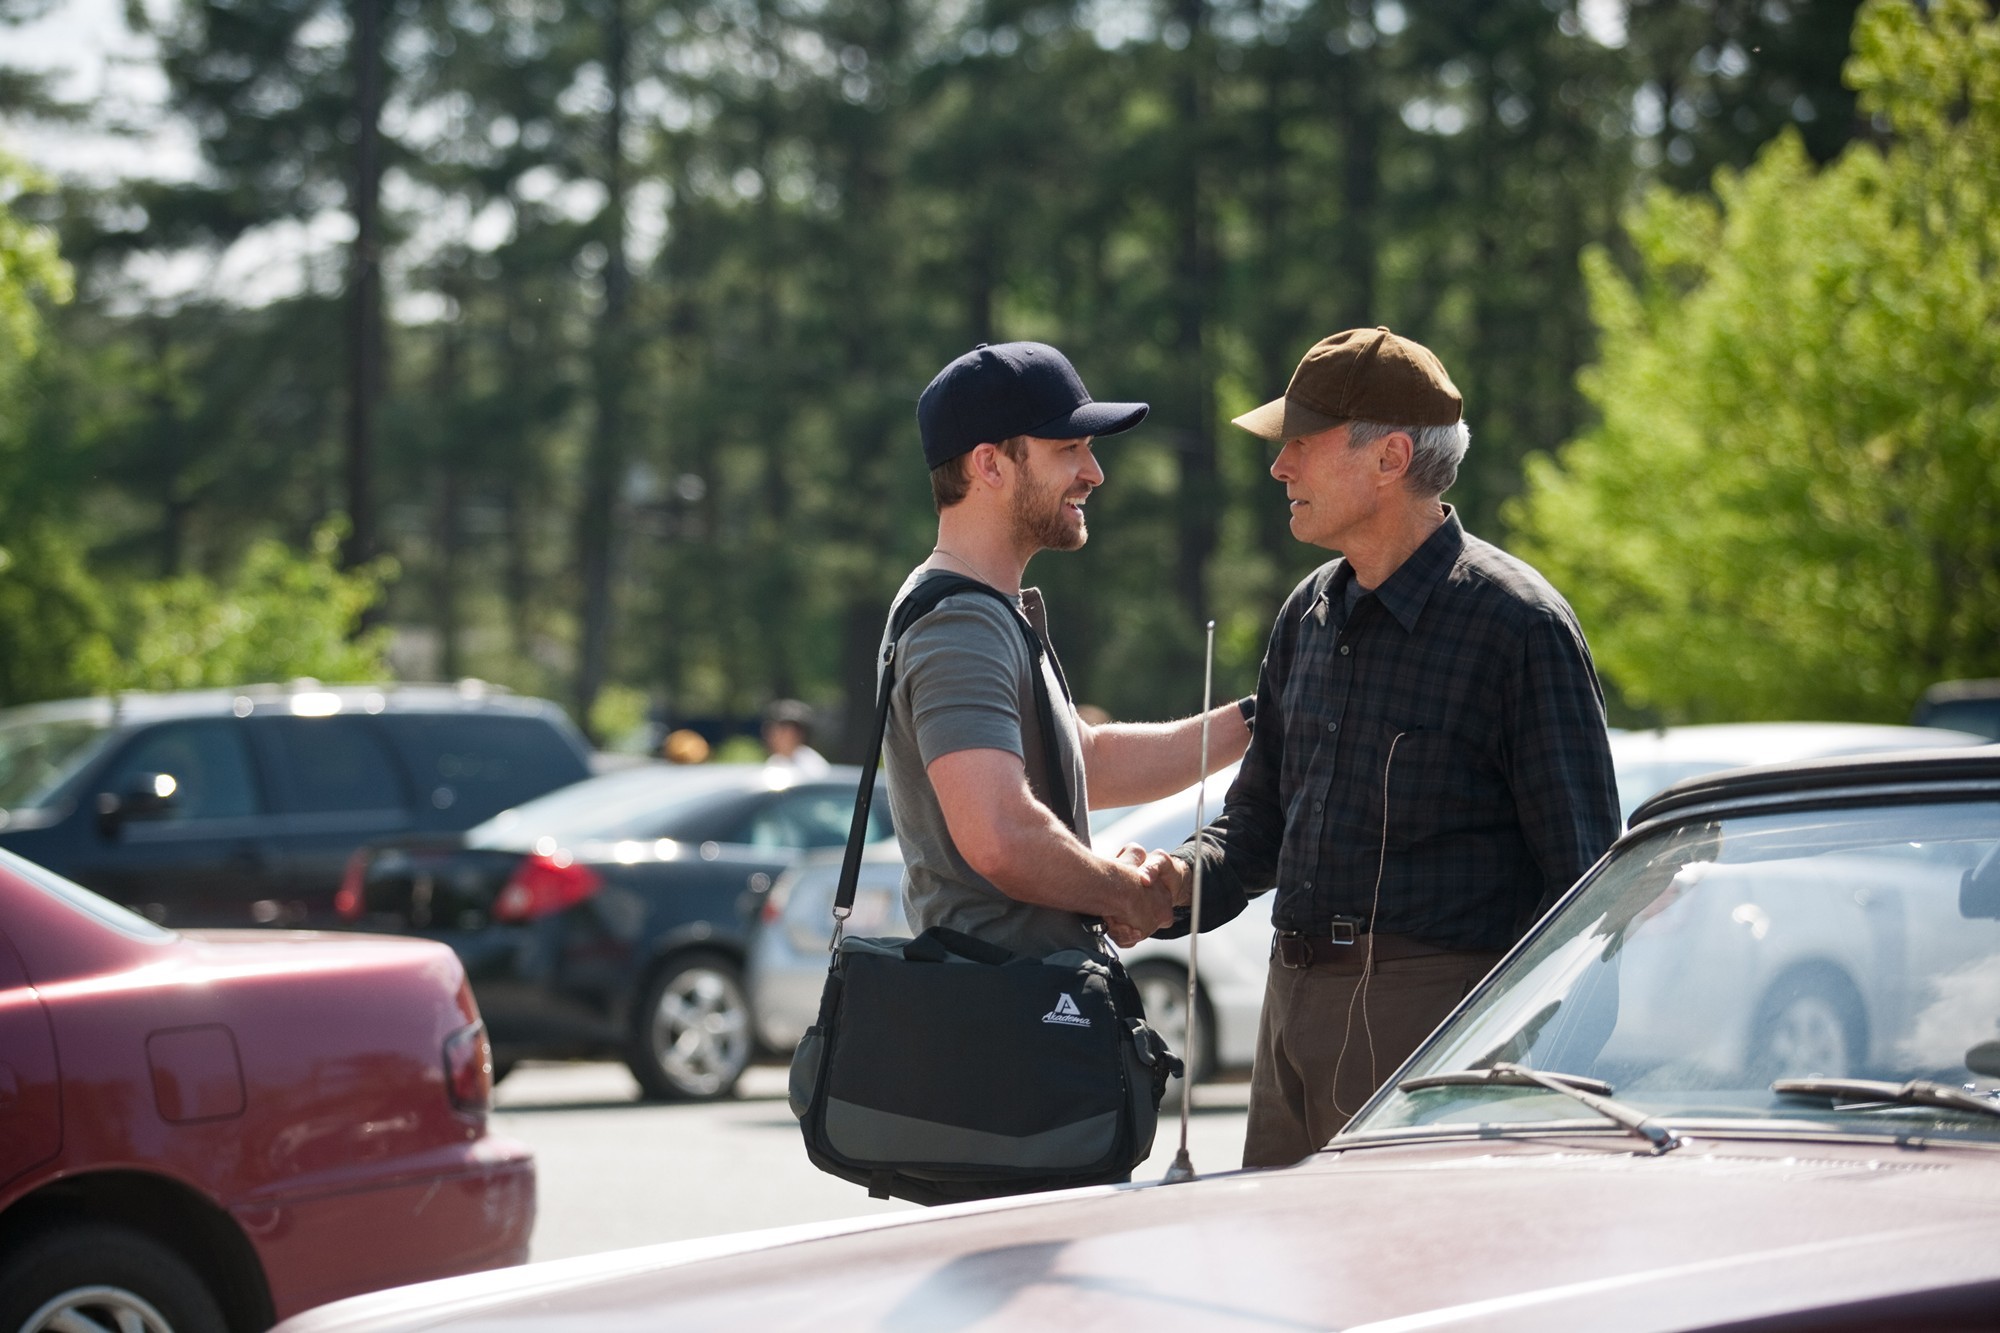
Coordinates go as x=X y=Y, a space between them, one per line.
x=1360 y=375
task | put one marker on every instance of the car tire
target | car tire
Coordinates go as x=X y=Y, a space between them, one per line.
x=93 y=1275
x=692 y=1035
x=1809 y=1024
x=1163 y=990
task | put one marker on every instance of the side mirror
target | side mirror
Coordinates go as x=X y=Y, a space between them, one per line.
x=146 y=796
x=1979 y=889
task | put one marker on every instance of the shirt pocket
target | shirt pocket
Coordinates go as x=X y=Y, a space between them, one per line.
x=1306 y=711
x=1439 y=785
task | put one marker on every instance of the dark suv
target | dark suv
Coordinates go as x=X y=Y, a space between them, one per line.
x=241 y=806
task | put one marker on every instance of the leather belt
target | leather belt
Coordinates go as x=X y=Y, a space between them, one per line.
x=1346 y=942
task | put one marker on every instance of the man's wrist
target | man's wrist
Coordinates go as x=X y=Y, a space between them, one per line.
x=1247 y=706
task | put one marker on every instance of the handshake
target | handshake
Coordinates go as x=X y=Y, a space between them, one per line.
x=1155 y=884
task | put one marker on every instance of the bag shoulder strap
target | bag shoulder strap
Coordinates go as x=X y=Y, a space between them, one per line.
x=924 y=599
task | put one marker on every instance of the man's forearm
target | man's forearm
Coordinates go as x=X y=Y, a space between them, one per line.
x=1019 y=846
x=1130 y=762
x=1033 y=858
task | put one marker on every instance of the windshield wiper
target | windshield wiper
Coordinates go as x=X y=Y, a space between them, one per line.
x=1594 y=1093
x=1854 y=1092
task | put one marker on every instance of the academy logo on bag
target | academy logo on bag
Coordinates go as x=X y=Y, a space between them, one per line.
x=1066 y=1012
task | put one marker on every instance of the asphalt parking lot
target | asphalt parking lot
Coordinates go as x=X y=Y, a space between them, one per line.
x=616 y=1172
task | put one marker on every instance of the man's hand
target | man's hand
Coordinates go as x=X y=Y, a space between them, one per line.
x=1150 y=902
x=1172 y=872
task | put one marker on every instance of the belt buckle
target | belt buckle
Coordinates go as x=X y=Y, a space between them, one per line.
x=1345 y=930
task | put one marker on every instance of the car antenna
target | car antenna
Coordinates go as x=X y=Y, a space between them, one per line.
x=1183 y=1168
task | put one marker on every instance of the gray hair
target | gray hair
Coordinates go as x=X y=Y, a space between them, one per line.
x=1435 y=451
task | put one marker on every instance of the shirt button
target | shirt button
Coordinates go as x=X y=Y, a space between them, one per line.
x=1332 y=726
x=1318 y=806
x=1308 y=884
x=1343 y=650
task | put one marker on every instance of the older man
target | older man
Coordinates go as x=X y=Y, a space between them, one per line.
x=988 y=850
x=1429 y=768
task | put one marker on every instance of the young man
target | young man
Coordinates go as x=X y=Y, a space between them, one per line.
x=1429 y=769
x=1007 y=432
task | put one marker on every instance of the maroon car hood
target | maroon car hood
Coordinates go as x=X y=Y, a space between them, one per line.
x=1495 y=1235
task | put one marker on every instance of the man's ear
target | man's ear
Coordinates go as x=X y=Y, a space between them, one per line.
x=983 y=465
x=1393 y=457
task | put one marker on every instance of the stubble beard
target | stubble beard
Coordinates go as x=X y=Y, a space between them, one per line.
x=1042 y=523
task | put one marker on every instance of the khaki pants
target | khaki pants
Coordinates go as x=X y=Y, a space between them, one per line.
x=1326 y=1041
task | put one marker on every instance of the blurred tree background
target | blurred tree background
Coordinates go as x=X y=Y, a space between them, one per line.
x=608 y=321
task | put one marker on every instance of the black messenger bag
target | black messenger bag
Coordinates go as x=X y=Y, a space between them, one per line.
x=947 y=1068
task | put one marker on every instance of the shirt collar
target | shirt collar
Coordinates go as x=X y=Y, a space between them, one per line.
x=1404 y=593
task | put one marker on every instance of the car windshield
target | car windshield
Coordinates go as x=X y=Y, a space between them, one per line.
x=1706 y=962
x=38 y=755
x=643 y=803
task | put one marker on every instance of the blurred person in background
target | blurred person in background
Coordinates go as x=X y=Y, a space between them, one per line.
x=787 y=731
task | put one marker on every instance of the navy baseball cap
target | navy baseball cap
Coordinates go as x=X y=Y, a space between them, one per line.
x=996 y=392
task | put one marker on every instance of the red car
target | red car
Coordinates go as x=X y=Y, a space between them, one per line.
x=205 y=1132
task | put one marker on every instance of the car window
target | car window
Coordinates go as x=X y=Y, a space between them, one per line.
x=37 y=756
x=1981 y=716
x=478 y=764
x=813 y=817
x=331 y=764
x=207 y=760
x=1706 y=962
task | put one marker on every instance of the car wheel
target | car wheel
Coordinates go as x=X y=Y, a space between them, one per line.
x=1163 y=990
x=1808 y=1025
x=83 y=1278
x=691 y=1037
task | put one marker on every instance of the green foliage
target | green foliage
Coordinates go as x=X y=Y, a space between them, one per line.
x=50 y=610
x=52 y=619
x=30 y=267
x=619 y=714
x=282 y=615
x=1791 y=507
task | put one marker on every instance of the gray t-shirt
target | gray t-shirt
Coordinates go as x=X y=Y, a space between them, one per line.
x=962 y=683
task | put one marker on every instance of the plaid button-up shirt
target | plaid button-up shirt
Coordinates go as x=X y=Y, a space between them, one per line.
x=1448 y=737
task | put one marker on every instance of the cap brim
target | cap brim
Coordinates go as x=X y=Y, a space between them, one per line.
x=1091 y=419
x=1284 y=419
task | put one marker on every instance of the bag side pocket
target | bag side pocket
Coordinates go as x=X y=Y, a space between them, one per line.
x=805 y=1071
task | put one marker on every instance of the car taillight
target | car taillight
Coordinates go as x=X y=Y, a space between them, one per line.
x=542 y=885
x=352 y=899
x=468 y=1069
x=774 y=902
